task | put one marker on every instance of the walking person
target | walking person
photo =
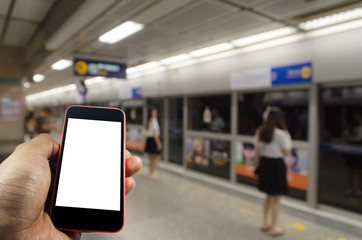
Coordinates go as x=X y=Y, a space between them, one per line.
x=272 y=143
x=153 y=142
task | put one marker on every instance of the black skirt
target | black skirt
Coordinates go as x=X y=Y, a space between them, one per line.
x=151 y=146
x=273 y=176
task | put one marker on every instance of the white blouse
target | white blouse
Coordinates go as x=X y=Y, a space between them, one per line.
x=153 y=127
x=281 y=141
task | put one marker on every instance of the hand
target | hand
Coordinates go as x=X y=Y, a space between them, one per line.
x=159 y=146
x=24 y=184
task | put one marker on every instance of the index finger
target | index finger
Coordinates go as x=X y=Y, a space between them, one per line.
x=133 y=164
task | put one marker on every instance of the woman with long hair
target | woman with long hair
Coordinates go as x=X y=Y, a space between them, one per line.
x=153 y=142
x=272 y=143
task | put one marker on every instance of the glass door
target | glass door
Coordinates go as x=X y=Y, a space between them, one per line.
x=175 y=131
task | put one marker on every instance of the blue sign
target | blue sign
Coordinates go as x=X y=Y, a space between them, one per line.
x=86 y=67
x=137 y=92
x=292 y=74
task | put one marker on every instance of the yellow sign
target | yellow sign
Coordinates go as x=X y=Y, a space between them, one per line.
x=306 y=72
x=81 y=67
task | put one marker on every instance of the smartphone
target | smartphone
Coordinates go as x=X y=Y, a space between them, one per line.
x=88 y=193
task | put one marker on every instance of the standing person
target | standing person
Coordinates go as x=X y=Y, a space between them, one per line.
x=43 y=121
x=217 y=124
x=153 y=142
x=30 y=126
x=272 y=143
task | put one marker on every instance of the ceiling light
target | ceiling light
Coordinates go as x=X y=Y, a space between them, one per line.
x=131 y=70
x=156 y=70
x=94 y=80
x=61 y=64
x=263 y=36
x=350 y=25
x=147 y=66
x=331 y=19
x=190 y=62
x=60 y=89
x=51 y=92
x=27 y=85
x=212 y=49
x=38 y=77
x=134 y=75
x=121 y=32
x=175 y=59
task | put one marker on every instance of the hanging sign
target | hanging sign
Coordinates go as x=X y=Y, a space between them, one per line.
x=87 y=67
x=250 y=79
x=137 y=92
x=292 y=74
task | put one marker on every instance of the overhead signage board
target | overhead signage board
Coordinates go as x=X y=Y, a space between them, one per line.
x=93 y=68
x=271 y=76
x=137 y=92
x=292 y=74
x=249 y=79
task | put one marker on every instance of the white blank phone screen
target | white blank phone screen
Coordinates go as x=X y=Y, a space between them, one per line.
x=90 y=175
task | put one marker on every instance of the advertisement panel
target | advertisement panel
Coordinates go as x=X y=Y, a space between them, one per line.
x=208 y=155
x=296 y=162
x=134 y=138
x=93 y=68
x=10 y=109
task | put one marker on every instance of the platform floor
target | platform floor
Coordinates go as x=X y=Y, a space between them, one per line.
x=176 y=207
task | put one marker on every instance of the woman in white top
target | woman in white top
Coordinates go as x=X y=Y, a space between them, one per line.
x=153 y=142
x=272 y=143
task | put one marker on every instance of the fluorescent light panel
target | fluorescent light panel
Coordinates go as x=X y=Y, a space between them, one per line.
x=38 y=77
x=264 y=36
x=94 y=80
x=147 y=66
x=131 y=70
x=61 y=64
x=331 y=19
x=175 y=59
x=350 y=25
x=51 y=92
x=211 y=50
x=121 y=32
x=156 y=70
x=61 y=89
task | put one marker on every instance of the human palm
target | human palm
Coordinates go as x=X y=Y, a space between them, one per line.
x=24 y=184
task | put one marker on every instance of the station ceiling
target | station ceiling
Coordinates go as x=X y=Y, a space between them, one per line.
x=37 y=33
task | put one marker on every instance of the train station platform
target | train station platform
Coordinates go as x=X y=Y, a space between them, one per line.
x=181 y=205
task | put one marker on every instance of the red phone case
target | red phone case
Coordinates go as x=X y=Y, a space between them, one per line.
x=123 y=167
